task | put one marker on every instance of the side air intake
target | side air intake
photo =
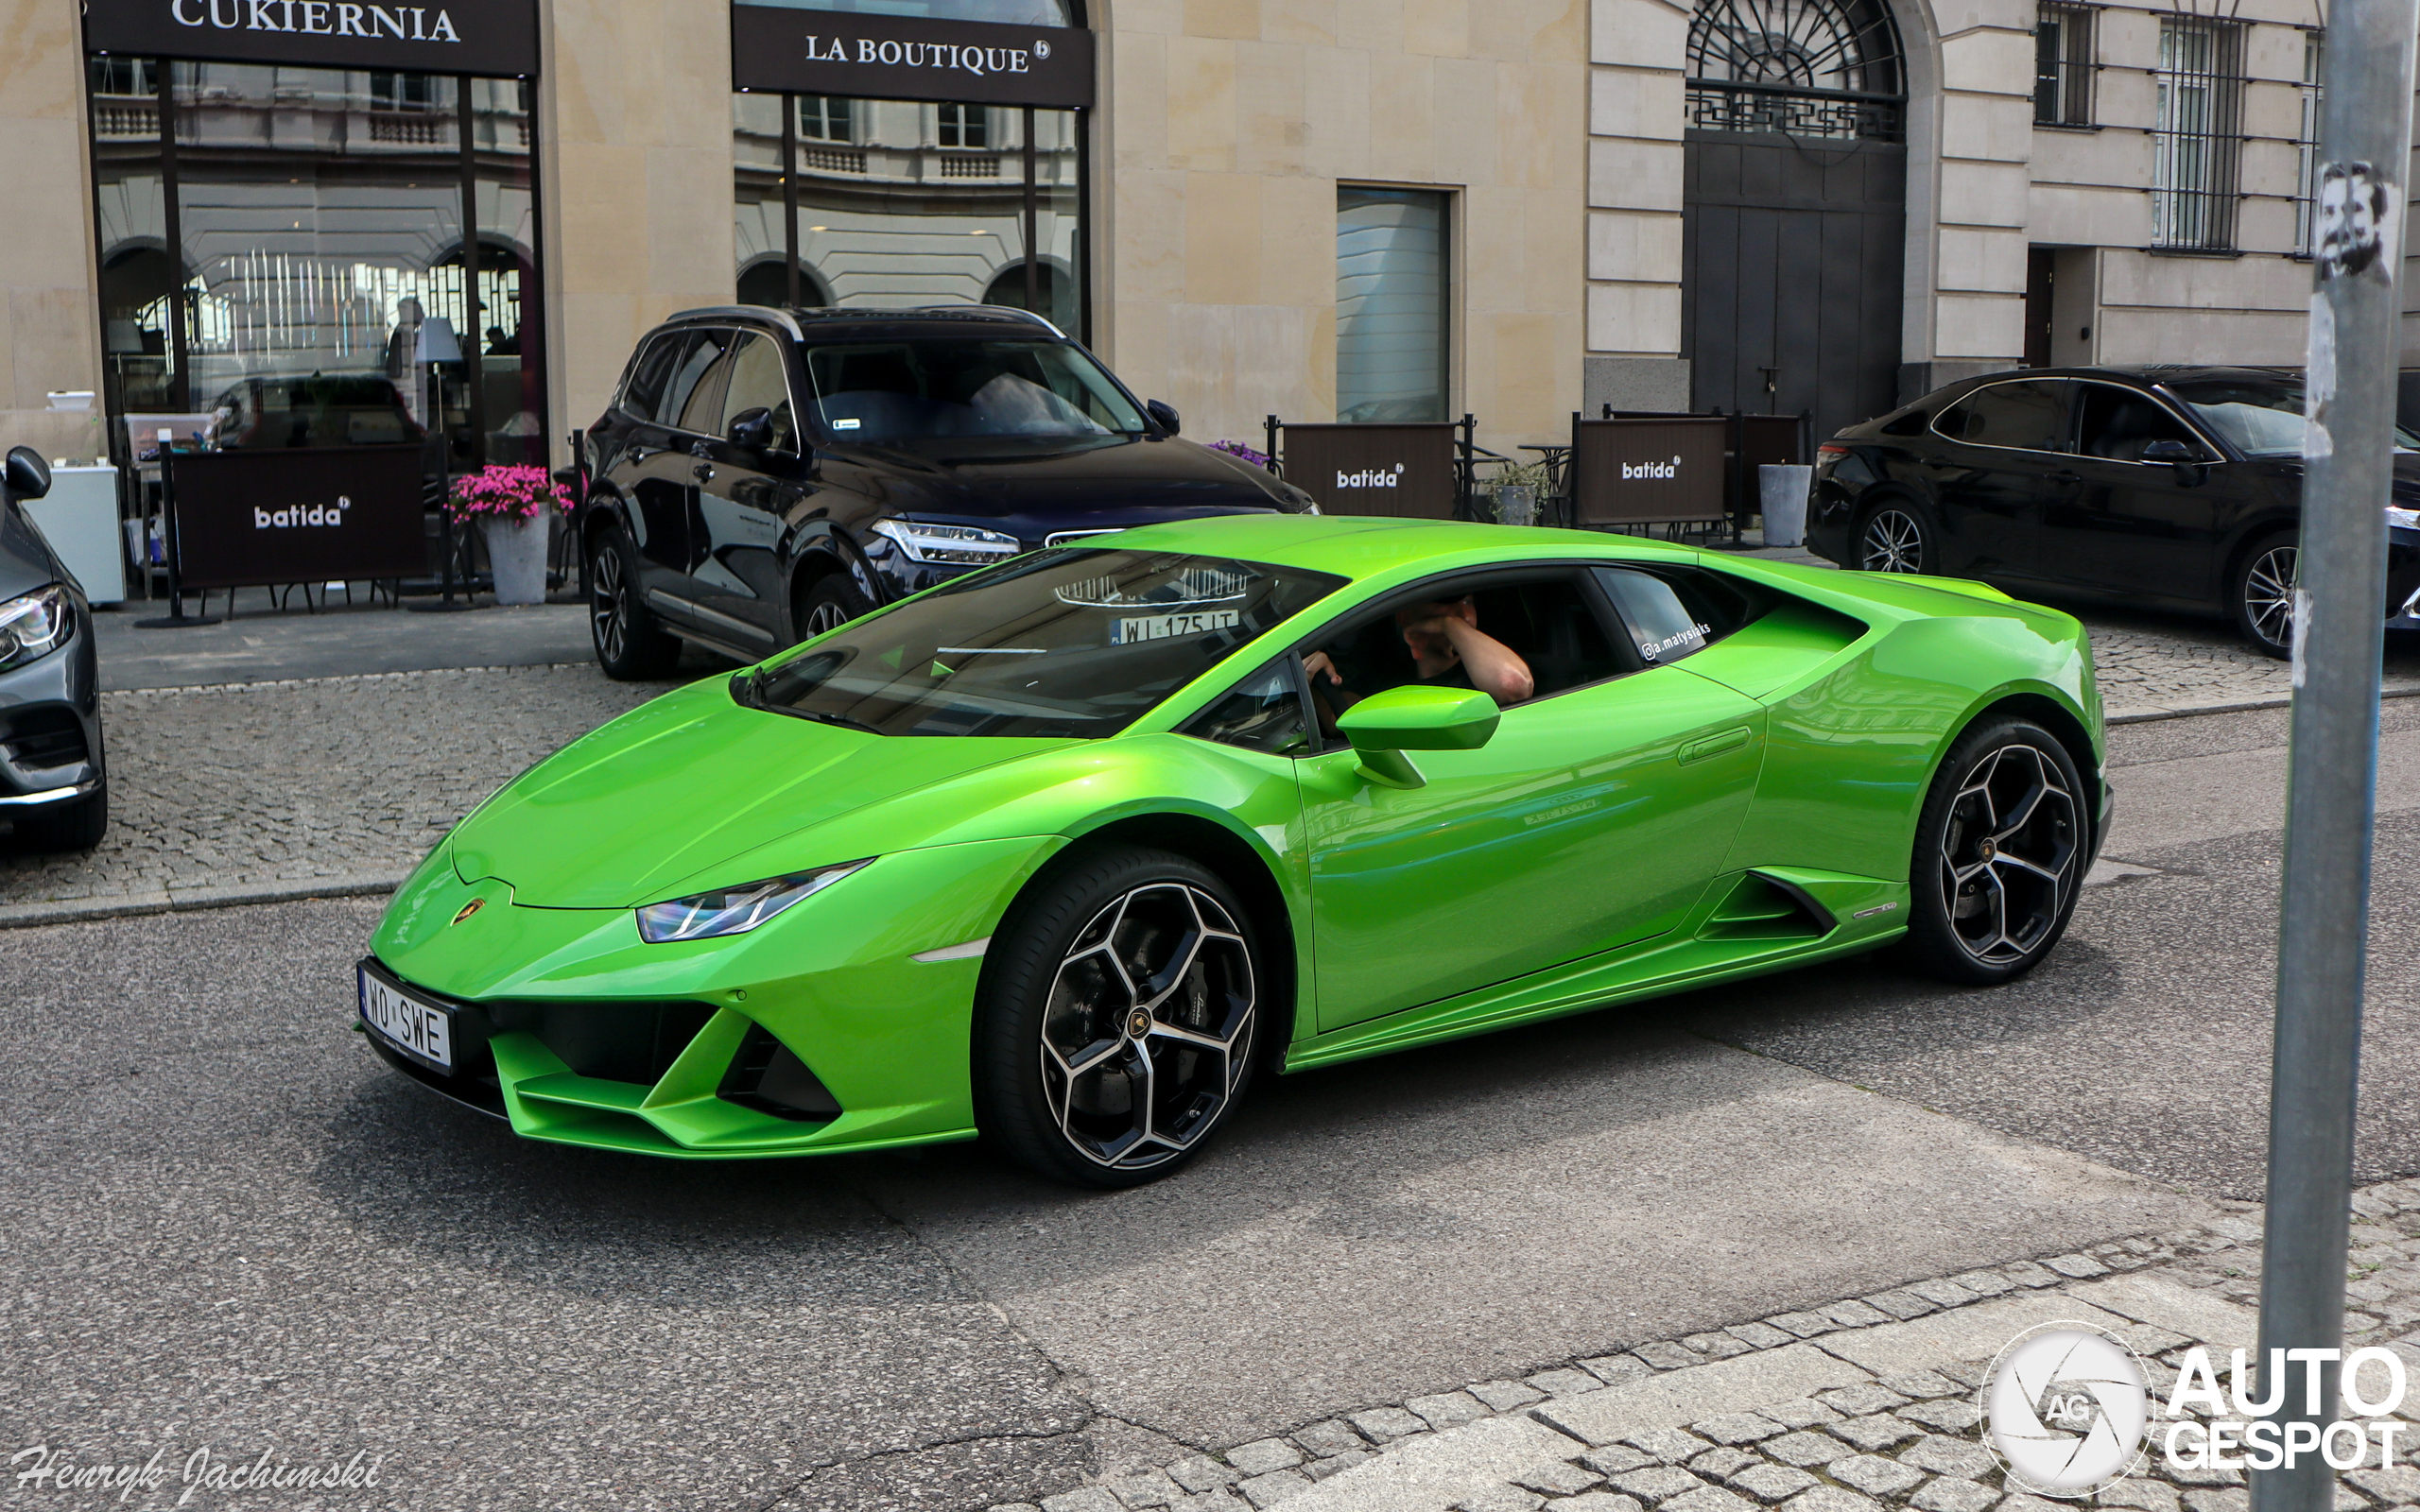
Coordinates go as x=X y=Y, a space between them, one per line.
x=766 y=1076
x=1762 y=907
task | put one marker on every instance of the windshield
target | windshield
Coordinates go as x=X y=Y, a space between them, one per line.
x=1060 y=644
x=2260 y=419
x=941 y=389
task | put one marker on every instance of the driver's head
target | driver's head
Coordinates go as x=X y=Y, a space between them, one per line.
x=1418 y=623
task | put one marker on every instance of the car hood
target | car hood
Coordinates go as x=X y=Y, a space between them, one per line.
x=1125 y=481
x=630 y=812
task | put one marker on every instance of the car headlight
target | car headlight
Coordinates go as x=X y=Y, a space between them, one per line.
x=32 y=625
x=2402 y=518
x=948 y=545
x=735 y=910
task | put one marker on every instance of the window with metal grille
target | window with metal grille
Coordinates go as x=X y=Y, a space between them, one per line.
x=2196 y=131
x=2063 y=66
x=824 y=118
x=2307 y=141
x=965 y=125
x=1818 y=68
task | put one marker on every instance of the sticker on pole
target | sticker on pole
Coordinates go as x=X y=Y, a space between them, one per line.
x=2065 y=1408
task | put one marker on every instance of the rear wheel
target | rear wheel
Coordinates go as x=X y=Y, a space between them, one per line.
x=1893 y=537
x=1999 y=848
x=1117 y=1021
x=77 y=824
x=631 y=645
x=2262 y=593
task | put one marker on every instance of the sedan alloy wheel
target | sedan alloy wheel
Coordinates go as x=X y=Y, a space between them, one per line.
x=1892 y=542
x=2265 y=597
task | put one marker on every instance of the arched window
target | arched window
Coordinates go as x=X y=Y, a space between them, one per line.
x=1008 y=13
x=1822 y=68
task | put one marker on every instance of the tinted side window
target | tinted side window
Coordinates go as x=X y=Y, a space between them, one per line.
x=1664 y=628
x=2030 y=415
x=644 y=389
x=693 y=395
x=2119 y=422
x=757 y=382
x=1263 y=714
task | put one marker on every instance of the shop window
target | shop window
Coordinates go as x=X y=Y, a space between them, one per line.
x=900 y=202
x=1391 y=314
x=384 y=245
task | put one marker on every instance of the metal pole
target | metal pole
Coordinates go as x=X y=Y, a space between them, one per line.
x=2356 y=321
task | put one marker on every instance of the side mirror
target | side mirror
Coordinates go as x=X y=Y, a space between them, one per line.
x=28 y=475
x=2187 y=458
x=1385 y=725
x=1162 y=416
x=752 y=429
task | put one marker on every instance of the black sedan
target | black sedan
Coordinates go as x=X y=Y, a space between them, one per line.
x=2177 y=488
x=54 y=795
x=762 y=476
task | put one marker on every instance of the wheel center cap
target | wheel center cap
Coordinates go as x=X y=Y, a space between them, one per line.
x=1990 y=849
x=1138 y=1024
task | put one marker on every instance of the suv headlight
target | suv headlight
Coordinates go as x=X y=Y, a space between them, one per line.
x=32 y=625
x=2401 y=518
x=948 y=545
x=735 y=910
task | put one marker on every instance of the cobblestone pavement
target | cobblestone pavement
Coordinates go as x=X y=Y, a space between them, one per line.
x=1865 y=1405
x=277 y=786
x=291 y=782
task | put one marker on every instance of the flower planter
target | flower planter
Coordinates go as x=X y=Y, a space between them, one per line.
x=517 y=553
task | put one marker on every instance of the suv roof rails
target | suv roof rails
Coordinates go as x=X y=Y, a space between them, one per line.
x=789 y=318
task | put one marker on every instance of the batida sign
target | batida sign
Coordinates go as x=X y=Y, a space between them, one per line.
x=490 y=37
x=865 y=56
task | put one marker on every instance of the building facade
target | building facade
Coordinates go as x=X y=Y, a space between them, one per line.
x=1317 y=209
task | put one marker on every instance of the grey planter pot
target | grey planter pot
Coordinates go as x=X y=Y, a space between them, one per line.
x=517 y=554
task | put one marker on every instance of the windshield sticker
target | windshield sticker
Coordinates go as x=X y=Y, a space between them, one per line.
x=1135 y=631
x=1692 y=639
x=846 y=425
x=1195 y=584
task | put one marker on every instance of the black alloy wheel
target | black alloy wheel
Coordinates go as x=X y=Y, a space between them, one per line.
x=829 y=603
x=2000 y=849
x=1893 y=538
x=1117 y=1018
x=631 y=645
x=2262 y=595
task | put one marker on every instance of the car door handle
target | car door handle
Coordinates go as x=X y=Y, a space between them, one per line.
x=2064 y=479
x=703 y=472
x=1698 y=750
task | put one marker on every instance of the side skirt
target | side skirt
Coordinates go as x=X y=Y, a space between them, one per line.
x=1716 y=944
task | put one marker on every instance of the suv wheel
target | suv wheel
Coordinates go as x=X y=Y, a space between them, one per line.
x=631 y=645
x=831 y=602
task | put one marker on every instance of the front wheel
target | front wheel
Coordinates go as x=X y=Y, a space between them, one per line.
x=2262 y=595
x=1893 y=537
x=1118 y=1019
x=1999 y=848
x=830 y=602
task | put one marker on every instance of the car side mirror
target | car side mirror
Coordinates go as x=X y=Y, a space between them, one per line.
x=28 y=475
x=1385 y=725
x=752 y=429
x=2183 y=455
x=1162 y=416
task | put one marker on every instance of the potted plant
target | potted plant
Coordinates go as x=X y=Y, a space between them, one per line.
x=1518 y=487
x=514 y=507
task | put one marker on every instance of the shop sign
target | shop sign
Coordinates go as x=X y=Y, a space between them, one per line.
x=863 y=55
x=1402 y=471
x=1625 y=472
x=245 y=519
x=488 y=37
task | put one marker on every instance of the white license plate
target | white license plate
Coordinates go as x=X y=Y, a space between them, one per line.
x=419 y=1030
x=1134 y=630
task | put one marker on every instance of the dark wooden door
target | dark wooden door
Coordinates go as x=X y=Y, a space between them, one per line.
x=1793 y=251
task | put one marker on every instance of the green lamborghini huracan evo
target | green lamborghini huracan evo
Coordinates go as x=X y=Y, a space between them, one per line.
x=1063 y=853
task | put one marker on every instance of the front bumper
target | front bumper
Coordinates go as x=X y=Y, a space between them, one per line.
x=575 y=1031
x=50 y=723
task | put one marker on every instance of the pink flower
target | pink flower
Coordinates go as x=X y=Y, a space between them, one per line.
x=516 y=493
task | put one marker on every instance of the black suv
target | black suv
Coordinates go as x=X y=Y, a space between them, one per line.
x=766 y=474
x=2176 y=487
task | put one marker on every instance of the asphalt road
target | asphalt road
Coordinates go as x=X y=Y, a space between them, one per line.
x=232 y=1227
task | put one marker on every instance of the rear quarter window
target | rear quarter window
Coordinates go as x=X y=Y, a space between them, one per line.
x=643 y=385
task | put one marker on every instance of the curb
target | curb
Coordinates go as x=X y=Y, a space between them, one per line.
x=2145 y=716
x=188 y=900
